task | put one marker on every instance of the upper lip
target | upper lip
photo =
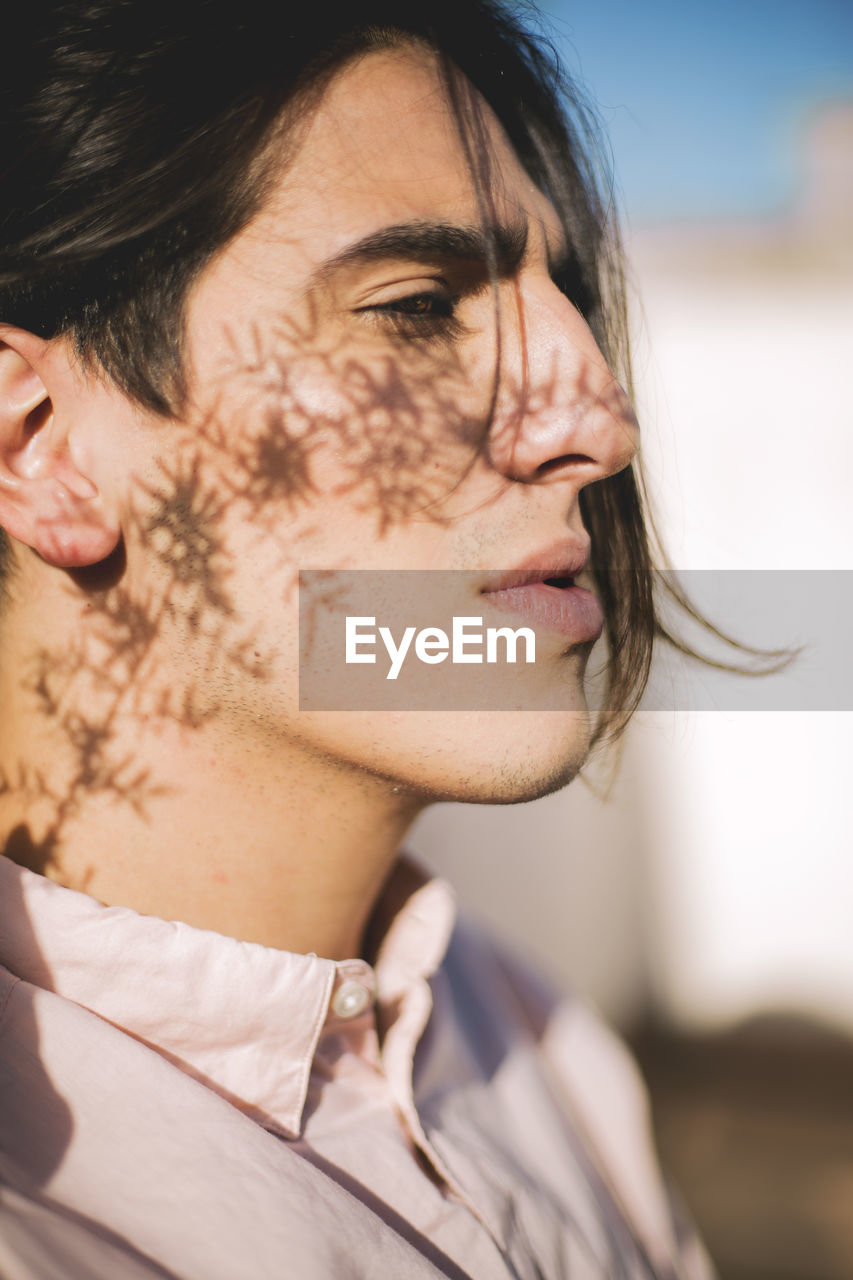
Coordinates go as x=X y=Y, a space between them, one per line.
x=560 y=560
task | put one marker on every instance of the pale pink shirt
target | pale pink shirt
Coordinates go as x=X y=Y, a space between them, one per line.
x=178 y=1103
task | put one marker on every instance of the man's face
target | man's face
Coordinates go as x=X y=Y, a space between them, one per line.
x=354 y=408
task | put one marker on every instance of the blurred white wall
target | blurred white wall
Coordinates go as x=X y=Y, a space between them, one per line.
x=564 y=878
x=749 y=336
x=718 y=881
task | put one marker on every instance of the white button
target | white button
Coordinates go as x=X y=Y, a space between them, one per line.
x=351 y=999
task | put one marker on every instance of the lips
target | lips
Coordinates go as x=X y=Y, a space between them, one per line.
x=543 y=592
x=557 y=565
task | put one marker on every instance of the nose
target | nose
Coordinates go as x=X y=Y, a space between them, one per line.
x=560 y=414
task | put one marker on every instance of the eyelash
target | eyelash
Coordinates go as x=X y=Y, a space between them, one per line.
x=402 y=316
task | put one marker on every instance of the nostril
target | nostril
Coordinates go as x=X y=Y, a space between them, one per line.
x=553 y=464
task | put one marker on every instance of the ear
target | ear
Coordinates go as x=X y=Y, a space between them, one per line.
x=47 y=499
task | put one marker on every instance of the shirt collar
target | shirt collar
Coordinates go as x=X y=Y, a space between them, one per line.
x=243 y=1018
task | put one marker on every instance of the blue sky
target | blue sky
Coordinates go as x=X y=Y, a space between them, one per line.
x=705 y=102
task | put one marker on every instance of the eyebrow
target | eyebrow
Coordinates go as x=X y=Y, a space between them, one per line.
x=500 y=244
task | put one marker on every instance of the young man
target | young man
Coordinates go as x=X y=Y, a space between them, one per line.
x=278 y=299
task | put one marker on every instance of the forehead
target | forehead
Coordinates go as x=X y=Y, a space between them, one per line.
x=381 y=149
x=384 y=147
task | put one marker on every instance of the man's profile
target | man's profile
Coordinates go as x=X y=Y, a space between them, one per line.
x=288 y=293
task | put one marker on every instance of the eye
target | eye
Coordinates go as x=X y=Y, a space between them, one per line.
x=420 y=304
x=422 y=315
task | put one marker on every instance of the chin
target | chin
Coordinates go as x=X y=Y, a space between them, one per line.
x=518 y=785
x=502 y=758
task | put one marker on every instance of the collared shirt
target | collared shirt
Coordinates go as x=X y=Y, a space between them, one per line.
x=178 y=1103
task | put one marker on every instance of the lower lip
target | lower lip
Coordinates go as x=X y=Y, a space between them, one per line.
x=569 y=611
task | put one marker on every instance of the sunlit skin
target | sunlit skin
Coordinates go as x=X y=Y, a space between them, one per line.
x=338 y=418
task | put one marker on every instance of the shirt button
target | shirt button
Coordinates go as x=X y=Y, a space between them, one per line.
x=351 y=999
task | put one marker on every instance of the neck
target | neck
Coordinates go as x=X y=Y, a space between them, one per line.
x=288 y=853
x=253 y=838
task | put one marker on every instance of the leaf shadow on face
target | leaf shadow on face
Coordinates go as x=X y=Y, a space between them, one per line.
x=294 y=423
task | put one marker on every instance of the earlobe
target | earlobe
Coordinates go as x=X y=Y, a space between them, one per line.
x=46 y=501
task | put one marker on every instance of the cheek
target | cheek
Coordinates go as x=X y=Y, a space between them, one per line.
x=392 y=436
x=302 y=458
x=298 y=407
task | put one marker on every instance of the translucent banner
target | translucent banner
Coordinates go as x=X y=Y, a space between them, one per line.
x=507 y=640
